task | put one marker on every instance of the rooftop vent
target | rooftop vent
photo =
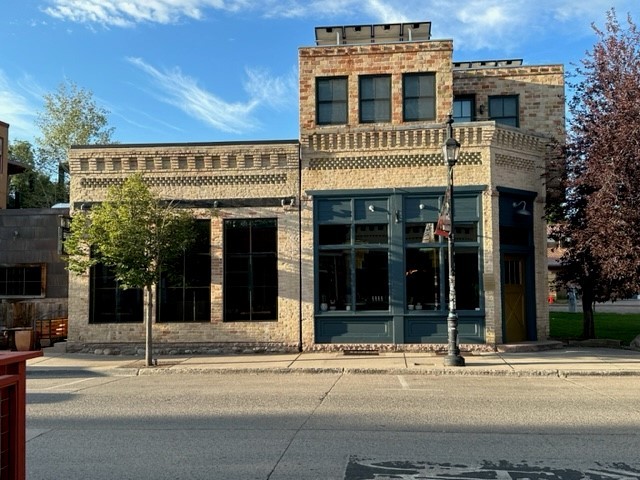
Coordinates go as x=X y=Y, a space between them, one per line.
x=367 y=34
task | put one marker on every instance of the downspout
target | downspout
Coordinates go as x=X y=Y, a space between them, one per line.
x=299 y=247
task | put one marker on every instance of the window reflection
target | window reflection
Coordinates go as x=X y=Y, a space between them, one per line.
x=335 y=234
x=426 y=269
x=358 y=262
x=372 y=280
x=335 y=280
x=467 y=287
x=422 y=279
x=372 y=233
x=336 y=288
x=184 y=293
x=467 y=280
x=250 y=269
x=108 y=302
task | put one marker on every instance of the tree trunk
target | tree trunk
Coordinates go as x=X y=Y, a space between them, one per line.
x=148 y=319
x=60 y=196
x=588 y=323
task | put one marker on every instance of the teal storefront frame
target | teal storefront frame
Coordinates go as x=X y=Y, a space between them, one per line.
x=517 y=245
x=367 y=244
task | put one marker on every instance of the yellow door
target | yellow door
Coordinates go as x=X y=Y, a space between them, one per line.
x=514 y=299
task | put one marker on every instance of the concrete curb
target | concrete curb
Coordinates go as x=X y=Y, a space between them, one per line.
x=461 y=372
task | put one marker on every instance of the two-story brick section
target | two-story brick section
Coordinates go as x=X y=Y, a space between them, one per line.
x=328 y=242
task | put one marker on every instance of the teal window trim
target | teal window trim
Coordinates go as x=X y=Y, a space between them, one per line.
x=353 y=255
x=399 y=210
x=422 y=211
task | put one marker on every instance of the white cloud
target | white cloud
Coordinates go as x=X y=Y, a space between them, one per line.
x=123 y=13
x=592 y=10
x=276 y=92
x=183 y=92
x=385 y=12
x=482 y=24
x=506 y=25
x=475 y=24
x=17 y=107
x=128 y=114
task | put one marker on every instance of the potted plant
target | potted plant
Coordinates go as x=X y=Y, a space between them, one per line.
x=22 y=328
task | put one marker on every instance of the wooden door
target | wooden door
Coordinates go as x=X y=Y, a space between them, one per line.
x=514 y=299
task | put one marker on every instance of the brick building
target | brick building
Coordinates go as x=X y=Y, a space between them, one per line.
x=327 y=242
x=4 y=167
x=33 y=278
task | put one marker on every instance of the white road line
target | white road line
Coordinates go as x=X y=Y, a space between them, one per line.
x=403 y=382
x=55 y=387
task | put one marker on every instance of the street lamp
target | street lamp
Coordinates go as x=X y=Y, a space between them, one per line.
x=451 y=149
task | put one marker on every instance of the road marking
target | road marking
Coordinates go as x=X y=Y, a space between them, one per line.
x=403 y=382
x=55 y=387
x=368 y=469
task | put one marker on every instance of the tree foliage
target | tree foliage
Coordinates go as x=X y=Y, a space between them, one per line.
x=32 y=188
x=134 y=233
x=601 y=227
x=70 y=117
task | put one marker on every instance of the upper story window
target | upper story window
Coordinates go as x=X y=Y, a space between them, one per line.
x=504 y=109
x=331 y=101
x=464 y=109
x=375 y=98
x=419 y=96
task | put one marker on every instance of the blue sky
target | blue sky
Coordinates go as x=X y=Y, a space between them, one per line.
x=226 y=70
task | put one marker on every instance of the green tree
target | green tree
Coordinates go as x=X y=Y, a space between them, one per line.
x=136 y=234
x=70 y=117
x=601 y=224
x=32 y=188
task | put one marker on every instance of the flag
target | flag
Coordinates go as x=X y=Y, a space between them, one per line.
x=443 y=227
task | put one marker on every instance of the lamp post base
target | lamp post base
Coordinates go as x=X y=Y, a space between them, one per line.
x=454 y=361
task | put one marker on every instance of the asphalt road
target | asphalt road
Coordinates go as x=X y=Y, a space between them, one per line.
x=332 y=426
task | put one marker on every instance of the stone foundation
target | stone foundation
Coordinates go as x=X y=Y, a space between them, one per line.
x=262 y=348
x=180 y=348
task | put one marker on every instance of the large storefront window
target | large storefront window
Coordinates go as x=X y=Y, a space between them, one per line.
x=426 y=267
x=353 y=272
x=109 y=302
x=250 y=269
x=185 y=291
x=382 y=272
x=423 y=279
x=467 y=285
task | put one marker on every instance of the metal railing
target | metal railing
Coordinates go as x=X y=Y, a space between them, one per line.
x=13 y=366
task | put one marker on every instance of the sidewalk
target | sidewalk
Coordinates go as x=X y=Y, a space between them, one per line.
x=566 y=361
